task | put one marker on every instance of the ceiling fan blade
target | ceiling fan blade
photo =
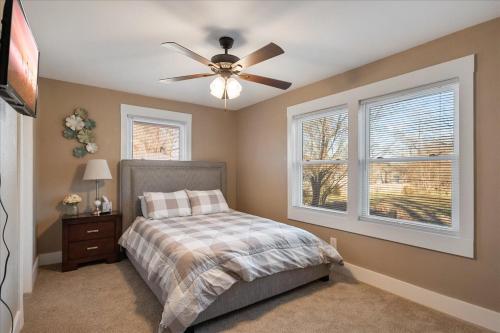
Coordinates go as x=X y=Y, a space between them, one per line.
x=187 y=52
x=266 y=80
x=185 y=77
x=269 y=51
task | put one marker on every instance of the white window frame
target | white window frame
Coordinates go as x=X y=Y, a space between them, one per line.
x=459 y=241
x=298 y=161
x=453 y=158
x=131 y=113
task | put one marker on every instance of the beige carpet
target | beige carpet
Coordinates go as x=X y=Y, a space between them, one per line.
x=113 y=298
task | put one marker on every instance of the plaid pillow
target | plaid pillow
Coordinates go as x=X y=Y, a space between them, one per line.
x=207 y=202
x=163 y=205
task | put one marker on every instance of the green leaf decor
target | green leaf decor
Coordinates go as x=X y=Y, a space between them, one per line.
x=79 y=126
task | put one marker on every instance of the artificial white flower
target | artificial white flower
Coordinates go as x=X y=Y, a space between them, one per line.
x=75 y=123
x=72 y=199
x=91 y=148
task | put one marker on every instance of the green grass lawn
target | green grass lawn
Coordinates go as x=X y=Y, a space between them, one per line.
x=333 y=202
x=428 y=209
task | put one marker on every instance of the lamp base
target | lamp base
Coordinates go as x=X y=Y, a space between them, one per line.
x=97 y=204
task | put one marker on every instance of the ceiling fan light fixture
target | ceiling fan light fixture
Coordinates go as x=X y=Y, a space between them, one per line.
x=233 y=88
x=225 y=88
x=217 y=87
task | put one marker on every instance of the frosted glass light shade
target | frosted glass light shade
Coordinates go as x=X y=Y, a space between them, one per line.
x=233 y=88
x=217 y=87
x=222 y=88
x=97 y=169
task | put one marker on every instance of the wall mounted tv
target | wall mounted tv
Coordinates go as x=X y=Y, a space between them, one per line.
x=18 y=60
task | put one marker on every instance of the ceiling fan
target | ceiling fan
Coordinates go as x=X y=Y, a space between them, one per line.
x=228 y=66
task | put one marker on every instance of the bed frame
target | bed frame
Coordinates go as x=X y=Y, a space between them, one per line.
x=138 y=176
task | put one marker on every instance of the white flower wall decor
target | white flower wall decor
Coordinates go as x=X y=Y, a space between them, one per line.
x=74 y=122
x=80 y=127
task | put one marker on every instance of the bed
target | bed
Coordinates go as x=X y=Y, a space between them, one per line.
x=231 y=286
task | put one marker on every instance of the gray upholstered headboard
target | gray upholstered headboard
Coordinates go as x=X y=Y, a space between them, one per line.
x=139 y=176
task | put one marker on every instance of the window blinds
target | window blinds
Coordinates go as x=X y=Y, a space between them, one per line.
x=153 y=141
x=410 y=149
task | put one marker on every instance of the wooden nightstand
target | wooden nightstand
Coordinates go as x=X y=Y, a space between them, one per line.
x=86 y=238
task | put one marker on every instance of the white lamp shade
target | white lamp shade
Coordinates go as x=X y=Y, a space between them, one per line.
x=97 y=169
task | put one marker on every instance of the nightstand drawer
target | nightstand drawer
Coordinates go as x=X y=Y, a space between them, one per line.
x=93 y=230
x=91 y=248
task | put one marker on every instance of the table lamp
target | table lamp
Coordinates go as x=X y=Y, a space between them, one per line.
x=97 y=170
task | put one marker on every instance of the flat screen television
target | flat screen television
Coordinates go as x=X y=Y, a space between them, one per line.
x=19 y=59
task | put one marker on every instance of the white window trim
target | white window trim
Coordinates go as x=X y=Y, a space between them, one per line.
x=130 y=113
x=460 y=242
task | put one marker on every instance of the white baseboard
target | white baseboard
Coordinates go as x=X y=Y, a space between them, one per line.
x=18 y=322
x=451 y=306
x=50 y=258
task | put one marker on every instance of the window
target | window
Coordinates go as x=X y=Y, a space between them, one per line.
x=393 y=159
x=155 y=141
x=154 y=134
x=322 y=166
x=410 y=156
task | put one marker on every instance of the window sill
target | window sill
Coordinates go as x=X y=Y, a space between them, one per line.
x=452 y=243
x=324 y=210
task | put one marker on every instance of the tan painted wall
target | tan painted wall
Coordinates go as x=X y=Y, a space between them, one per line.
x=58 y=172
x=262 y=186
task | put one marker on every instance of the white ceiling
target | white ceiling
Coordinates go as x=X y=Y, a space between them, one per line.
x=116 y=44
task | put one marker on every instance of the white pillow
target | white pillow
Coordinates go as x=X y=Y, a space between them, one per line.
x=144 y=207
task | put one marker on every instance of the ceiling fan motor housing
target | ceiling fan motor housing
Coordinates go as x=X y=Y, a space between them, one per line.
x=225 y=60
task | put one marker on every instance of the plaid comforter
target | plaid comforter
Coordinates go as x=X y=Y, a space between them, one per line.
x=196 y=258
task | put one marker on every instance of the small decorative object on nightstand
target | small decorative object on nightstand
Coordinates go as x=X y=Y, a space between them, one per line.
x=107 y=207
x=71 y=202
x=87 y=238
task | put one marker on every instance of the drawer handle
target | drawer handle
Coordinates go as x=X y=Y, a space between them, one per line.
x=92 y=248
x=92 y=231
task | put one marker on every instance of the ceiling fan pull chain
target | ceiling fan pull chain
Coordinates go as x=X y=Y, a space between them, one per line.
x=225 y=99
x=225 y=94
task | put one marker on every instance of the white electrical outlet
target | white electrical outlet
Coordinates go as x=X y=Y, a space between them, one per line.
x=333 y=242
